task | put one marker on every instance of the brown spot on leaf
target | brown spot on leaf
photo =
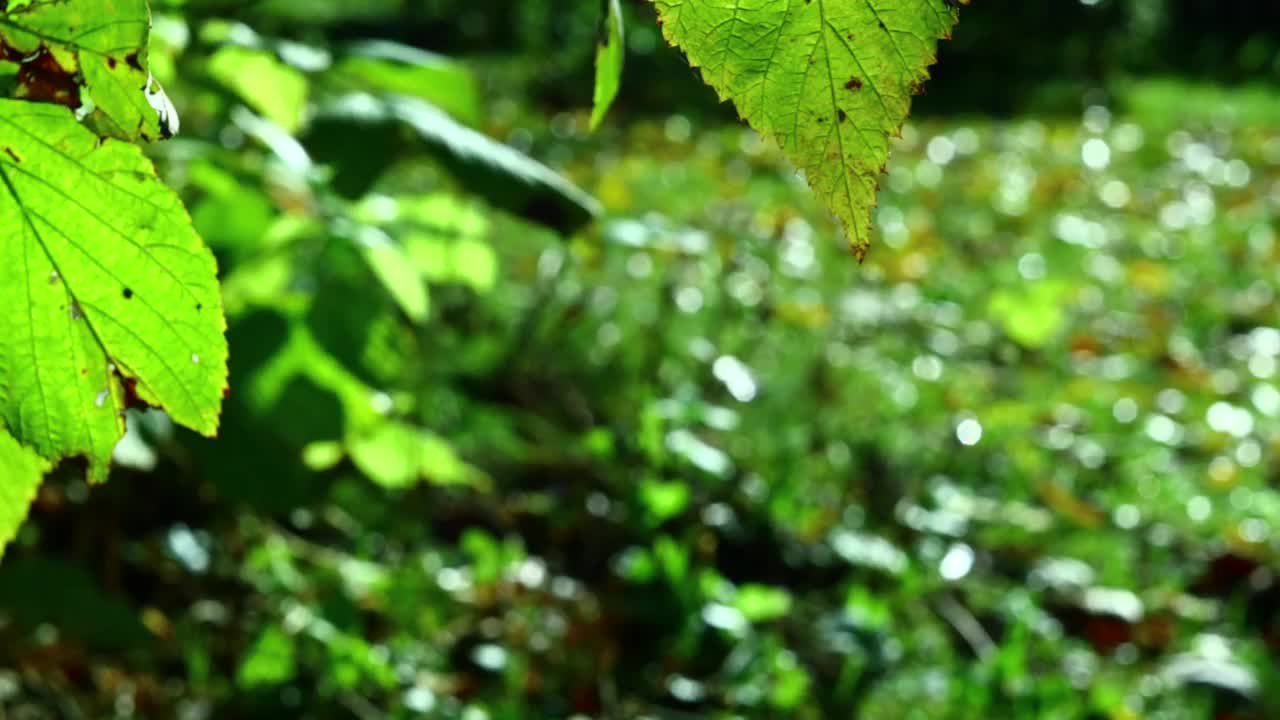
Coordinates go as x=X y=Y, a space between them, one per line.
x=842 y=115
x=853 y=84
x=9 y=151
x=131 y=399
x=41 y=79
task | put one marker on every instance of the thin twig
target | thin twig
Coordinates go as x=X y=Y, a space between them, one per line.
x=966 y=625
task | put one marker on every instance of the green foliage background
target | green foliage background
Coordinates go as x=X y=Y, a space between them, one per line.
x=500 y=447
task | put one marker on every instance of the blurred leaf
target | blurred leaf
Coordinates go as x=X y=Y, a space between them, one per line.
x=761 y=603
x=464 y=261
x=388 y=454
x=664 y=500
x=396 y=455
x=1032 y=315
x=446 y=238
x=867 y=610
x=321 y=456
x=475 y=264
x=672 y=558
x=506 y=178
x=391 y=264
x=441 y=465
x=269 y=661
x=354 y=319
x=274 y=89
x=353 y=661
x=791 y=684
x=488 y=559
x=382 y=66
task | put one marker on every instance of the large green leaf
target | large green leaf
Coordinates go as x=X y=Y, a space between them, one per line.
x=20 y=474
x=98 y=45
x=106 y=291
x=829 y=80
x=505 y=177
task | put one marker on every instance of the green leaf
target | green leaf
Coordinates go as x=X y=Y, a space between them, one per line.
x=609 y=58
x=354 y=319
x=829 y=80
x=23 y=472
x=444 y=238
x=389 y=262
x=274 y=89
x=105 y=291
x=389 y=67
x=762 y=603
x=664 y=500
x=396 y=456
x=389 y=455
x=505 y=177
x=100 y=45
x=270 y=661
x=1031 y=315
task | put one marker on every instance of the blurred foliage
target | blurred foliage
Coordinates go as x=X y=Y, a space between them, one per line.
x=483 y=458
